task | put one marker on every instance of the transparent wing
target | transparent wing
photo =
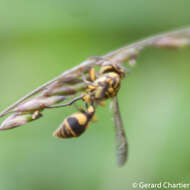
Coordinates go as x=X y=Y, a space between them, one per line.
x=121 y=141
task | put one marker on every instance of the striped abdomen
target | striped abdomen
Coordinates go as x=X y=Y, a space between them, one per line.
x=75 y=125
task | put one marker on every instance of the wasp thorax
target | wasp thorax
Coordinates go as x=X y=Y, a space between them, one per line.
x=107 y=84
x=75 y=124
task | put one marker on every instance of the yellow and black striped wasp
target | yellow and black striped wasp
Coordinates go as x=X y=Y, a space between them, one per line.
x=94 y=87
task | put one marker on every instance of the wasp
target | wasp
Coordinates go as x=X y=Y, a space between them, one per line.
x=99 y=86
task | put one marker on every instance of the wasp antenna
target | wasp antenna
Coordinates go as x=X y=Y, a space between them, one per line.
x=67 y=104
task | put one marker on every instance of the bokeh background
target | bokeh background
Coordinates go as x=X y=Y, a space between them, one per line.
x=41 y=39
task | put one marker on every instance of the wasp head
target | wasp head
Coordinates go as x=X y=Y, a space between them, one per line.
x=108 y=66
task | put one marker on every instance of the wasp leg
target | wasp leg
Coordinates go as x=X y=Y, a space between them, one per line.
x=92 y=77
x=87 y=82
x=101 y=103
x=94 y=118
x=67 y=104
x=92 y=74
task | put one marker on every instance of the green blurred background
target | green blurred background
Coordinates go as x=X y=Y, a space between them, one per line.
x=41 y=39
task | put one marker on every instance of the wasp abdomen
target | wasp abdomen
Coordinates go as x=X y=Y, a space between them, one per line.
x=78 y=124
x=75 y=125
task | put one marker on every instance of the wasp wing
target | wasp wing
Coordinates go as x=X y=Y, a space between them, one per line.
x=121 y=141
